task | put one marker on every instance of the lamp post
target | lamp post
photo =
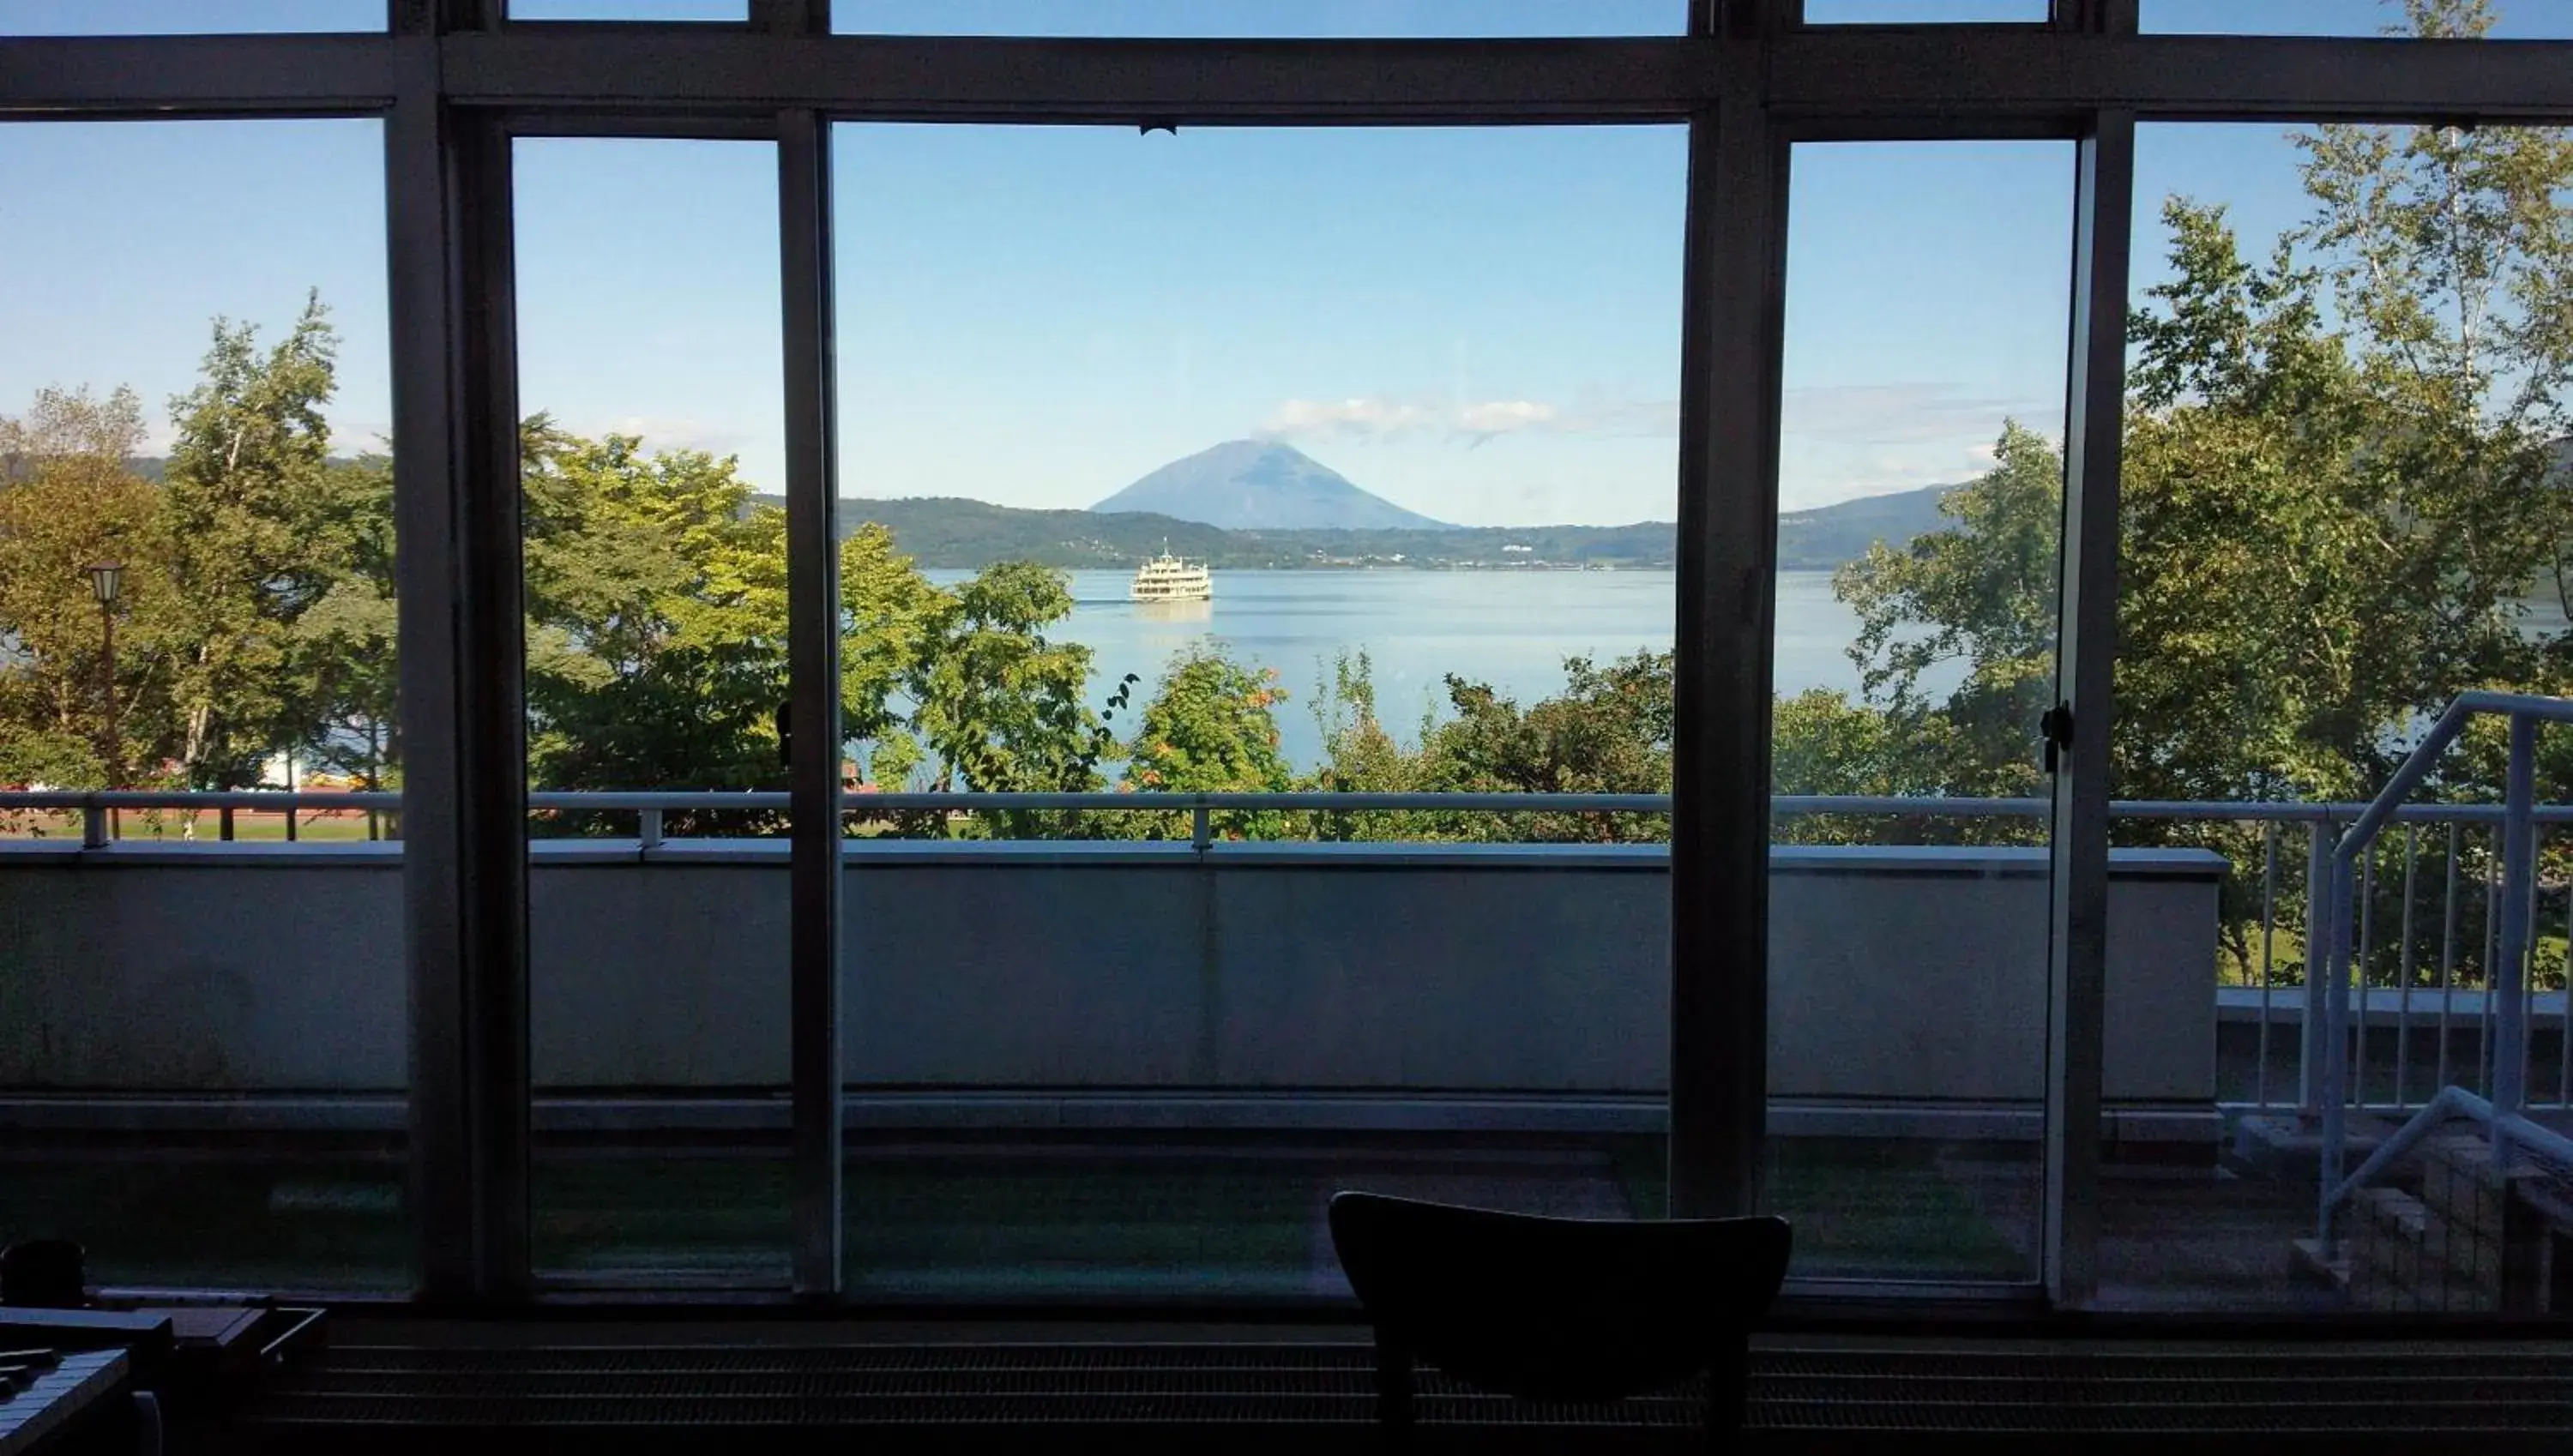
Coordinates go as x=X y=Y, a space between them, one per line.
x=105 y=579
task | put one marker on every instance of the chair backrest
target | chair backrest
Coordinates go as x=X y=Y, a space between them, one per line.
x=43 y=1273
x=1557 y=1308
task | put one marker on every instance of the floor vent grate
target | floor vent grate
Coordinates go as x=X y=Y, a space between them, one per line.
x=353 y=1390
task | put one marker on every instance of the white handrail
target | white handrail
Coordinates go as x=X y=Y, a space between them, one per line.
x=1791 y=806
x=2503 y=980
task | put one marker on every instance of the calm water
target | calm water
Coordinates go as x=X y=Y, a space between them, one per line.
x=1509 y=629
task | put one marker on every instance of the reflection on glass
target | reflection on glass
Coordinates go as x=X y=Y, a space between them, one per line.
x=657 y=609
x=1922 y=491
x=197 y=593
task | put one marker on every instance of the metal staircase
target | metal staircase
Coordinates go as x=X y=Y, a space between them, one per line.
x=2503 y=1117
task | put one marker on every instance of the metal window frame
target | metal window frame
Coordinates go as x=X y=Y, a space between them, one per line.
x=452 y=81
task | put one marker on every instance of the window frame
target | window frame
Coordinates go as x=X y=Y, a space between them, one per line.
x=453 y=82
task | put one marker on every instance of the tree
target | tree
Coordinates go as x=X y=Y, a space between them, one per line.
x=998 y=705
x=1980 y=593
x=2344 y=466
x=886 y=610
x=1608 y=732
x=1210 y=728
x=1361 y=756
x=69 y=425
x=349 y=634
x=657 y=607
x=1823 y=744
x=68 y=499
x=245 y=506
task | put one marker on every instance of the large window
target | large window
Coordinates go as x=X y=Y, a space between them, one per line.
x=197 y=417
x=655 y=579
x=2343 y=462
x=1217 y=442
x=1403 y=402
x=1921 y=490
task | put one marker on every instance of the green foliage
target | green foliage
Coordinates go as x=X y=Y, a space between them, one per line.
x=2344 y=468
x=1981 y=591
x=1211 y=728
x=2346 y=471
x=349 y=634
x=656 y=611
x=1608 y=732
x=245 y=504
x=67 y=500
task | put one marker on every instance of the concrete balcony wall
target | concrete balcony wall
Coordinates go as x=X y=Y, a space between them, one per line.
x=1911 y=976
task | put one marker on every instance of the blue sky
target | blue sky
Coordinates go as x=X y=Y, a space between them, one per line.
x=1482 y=324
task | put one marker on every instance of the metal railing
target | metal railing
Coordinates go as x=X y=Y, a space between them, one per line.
x=2417 y=958
x=2511 y=924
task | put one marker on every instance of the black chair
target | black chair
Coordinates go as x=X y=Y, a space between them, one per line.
x=43 y=1273
x=1562 y=1309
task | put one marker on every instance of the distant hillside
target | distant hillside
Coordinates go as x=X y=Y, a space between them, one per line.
x=943 y=531
x=1249 y=484
x=946 y=532
x=1824 y=537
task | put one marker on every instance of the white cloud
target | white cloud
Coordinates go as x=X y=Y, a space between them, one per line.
x=1842 y=441
x=1345 y=419
x=1481 y=423
x=1470 y=423
x=672 y=432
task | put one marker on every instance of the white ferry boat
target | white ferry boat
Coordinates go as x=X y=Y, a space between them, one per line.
x=1168 y=579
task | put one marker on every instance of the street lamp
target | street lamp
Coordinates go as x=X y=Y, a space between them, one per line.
x=106 y=580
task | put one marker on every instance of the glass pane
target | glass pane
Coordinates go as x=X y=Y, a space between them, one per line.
x=1282 y=18
x=2343 y=334
x=186 y=17
x=1250 y=462
x=204 y=1060
x=1921 y=490
x=2512 y=19
x=649 y=369
x=1918 y=12
x=629 y=9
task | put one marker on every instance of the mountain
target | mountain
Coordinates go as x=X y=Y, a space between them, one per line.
x=957 y=534
x=943 y=532
x=951 y=533
x=1249 y=484
x=1824 y=537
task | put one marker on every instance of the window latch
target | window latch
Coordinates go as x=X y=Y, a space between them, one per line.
x=2055 y=726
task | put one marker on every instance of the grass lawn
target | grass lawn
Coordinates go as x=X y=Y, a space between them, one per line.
x=2287 y=958
x=327 y=826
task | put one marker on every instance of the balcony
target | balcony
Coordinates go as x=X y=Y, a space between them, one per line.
x=1112 y=1068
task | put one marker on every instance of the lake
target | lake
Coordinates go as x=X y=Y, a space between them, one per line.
x=1510 y=629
